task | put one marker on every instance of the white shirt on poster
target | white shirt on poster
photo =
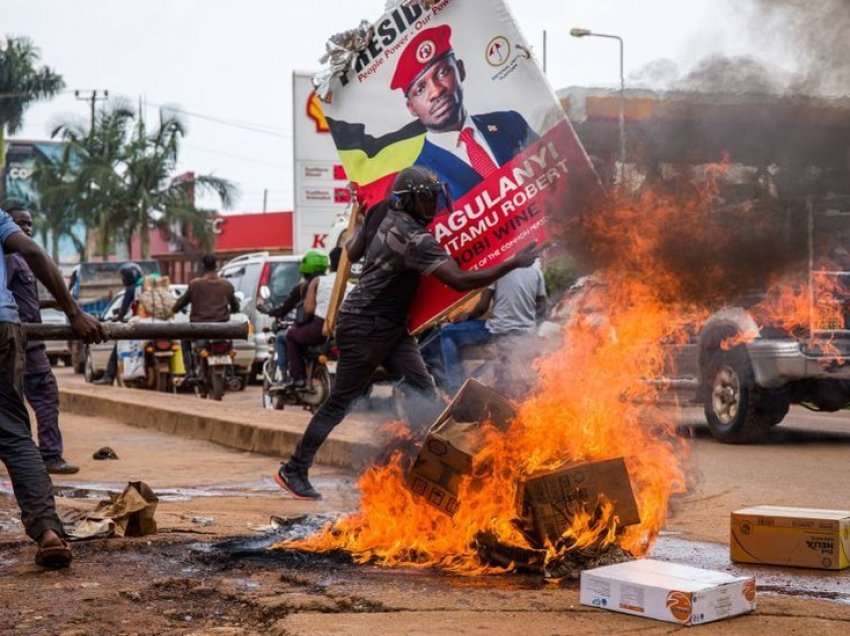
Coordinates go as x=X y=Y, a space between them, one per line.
x=450 y=141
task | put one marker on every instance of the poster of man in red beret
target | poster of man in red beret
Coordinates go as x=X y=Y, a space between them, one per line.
x=455 y=88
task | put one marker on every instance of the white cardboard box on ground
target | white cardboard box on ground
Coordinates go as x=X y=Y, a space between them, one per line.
x=668 y=591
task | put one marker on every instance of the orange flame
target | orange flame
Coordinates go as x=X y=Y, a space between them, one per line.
x=796 y=307
x=591 y=403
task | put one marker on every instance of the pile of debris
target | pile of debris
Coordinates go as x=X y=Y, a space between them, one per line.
x=598 y=494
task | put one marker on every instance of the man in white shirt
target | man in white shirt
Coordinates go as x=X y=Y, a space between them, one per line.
x=518 y=301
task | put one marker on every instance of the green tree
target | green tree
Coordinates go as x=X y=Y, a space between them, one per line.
x=98 y=187
x=22 y=81
x=155 y=199
x=125 y=182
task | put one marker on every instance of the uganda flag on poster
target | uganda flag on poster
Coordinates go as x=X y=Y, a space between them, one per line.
x=455 y=89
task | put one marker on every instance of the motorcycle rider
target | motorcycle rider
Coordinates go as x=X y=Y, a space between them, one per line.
x=211 y=297
x=372 y=327
x=313 y=265
x=518 y=301
x=131 y=277
x=317 y=299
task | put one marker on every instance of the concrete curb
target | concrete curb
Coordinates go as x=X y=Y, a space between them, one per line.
x=267 y=432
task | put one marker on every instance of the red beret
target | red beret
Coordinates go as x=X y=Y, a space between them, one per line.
x=425 y=48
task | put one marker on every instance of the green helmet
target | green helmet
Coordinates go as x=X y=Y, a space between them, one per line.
x=314 y=263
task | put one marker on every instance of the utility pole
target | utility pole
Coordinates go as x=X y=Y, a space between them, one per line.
x=92 y=96
x=265 y=199
x=582 y=33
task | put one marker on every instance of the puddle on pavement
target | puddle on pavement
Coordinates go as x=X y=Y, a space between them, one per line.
x=827 y=585
x=824 y=584
x=98 y=491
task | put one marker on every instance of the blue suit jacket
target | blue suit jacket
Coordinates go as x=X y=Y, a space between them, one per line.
x=506 y=132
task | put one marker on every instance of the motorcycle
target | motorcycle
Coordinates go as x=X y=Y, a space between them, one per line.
x=150 y=366
x=276 y=395
x=158 y=364
x=214 y=369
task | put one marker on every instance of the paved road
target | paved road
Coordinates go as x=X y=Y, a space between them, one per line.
x=176 y=583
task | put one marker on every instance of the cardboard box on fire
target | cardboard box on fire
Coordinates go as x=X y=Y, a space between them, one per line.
x=548 y=500
x=668 y=591
x=452 y=442
x=801 y=537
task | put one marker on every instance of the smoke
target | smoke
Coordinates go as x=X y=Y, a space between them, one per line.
x=696 y=254
x=737 y=74
x=817 y=32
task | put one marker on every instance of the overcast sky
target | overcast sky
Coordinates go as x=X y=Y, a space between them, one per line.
x=232 y=61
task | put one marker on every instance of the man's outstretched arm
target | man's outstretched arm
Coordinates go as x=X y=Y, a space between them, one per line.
x=456 y=278
x=85 y=326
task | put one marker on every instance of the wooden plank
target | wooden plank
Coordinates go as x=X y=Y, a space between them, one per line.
x=145 y=330
x=343 y=273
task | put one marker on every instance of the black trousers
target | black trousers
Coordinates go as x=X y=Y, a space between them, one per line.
x=30 y=481
x=365 y=343
x=42 y=393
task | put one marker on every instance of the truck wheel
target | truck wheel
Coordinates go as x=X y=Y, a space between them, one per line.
x=737 y=411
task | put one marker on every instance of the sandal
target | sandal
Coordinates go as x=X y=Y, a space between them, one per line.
x=54 y=557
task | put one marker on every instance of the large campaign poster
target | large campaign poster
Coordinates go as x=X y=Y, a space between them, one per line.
x=456 y=89
x=321 y=187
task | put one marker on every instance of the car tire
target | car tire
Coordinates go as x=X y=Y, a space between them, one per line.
x=737 y=411
x=78 y=356
x=89 y=372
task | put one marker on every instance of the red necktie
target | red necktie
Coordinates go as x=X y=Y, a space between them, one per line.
x=478 y=157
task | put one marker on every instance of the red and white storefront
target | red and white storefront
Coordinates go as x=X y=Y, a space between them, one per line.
x=235 y=234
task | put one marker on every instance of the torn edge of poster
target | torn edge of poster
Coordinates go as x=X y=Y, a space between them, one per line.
x=342 y=48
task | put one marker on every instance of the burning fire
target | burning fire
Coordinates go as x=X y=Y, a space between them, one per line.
x=795 y=308
x=591 y=403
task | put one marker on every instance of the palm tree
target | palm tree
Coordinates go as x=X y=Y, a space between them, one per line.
x=98 y=189
x=125 y=185
x=22 y=82
x=156 y=198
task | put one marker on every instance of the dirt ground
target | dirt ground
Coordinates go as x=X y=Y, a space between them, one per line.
x=207 y=572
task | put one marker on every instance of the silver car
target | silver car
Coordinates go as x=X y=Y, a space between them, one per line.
x=56 y=349
x=248 y=274
x=97 y=355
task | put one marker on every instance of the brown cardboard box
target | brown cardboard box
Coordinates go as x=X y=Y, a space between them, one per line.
x=549 y=499
x=452 y=442
x=802 y=537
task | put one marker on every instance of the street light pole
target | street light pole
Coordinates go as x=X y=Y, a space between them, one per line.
x=581 y=33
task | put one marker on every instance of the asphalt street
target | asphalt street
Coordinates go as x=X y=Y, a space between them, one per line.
x=182 y=581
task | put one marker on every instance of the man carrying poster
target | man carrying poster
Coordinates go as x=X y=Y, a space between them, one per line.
x=462 y=150
x=372 y=329
x=453 y=88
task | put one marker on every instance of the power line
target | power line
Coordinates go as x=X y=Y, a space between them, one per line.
x=235 y=156
x=249 y=126
x=14 y=95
